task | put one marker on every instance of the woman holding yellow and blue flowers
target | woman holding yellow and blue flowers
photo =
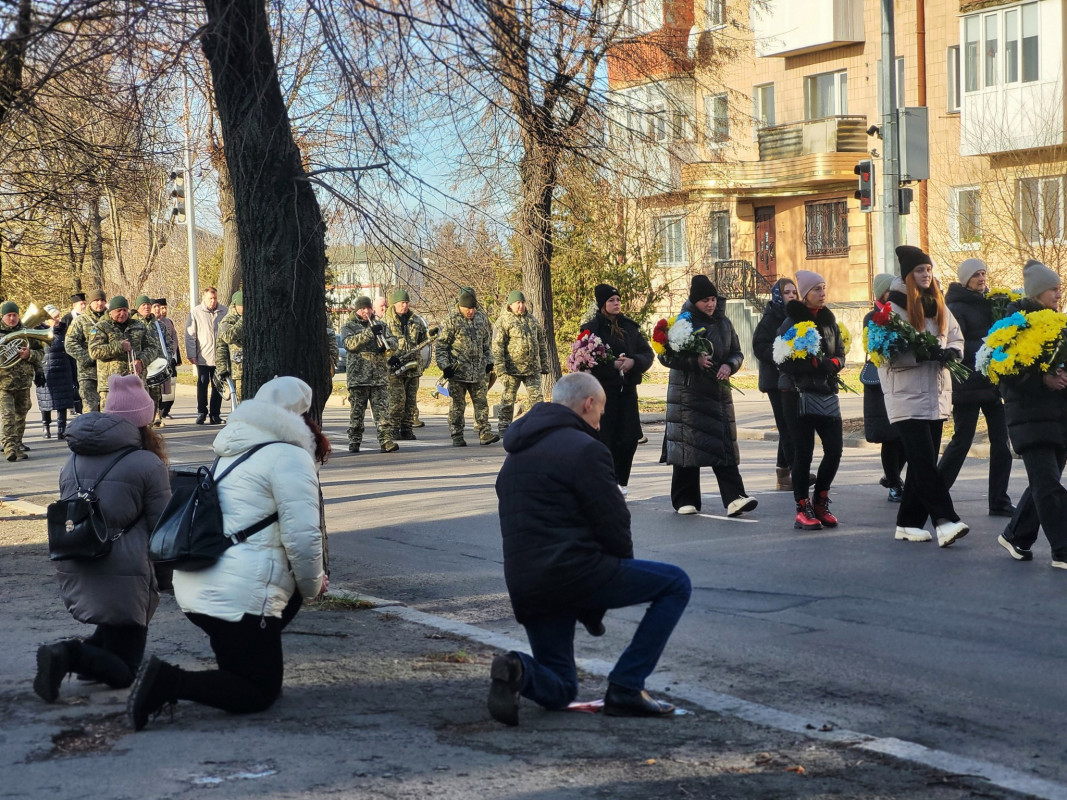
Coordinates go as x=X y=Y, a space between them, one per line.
x=810 y=353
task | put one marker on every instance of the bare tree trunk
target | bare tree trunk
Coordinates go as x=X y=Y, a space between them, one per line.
x=96 y=244
x=230 y=274
x=280 y=226
x=13 y=57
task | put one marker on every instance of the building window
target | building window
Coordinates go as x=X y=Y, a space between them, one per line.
x=670 y=240
x=965 y=218
x=952 y=61
x=719 y=236
x=1040 y=210
x=826 y=228
x=633 y=17
x=826 y=95
x=763 y=99
x=1000 y=46
x=715 y=11
x=717 y=115
x=657 y=122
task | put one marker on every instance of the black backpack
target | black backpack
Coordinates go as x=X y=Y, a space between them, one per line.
x=77 y=529
x=189 y=534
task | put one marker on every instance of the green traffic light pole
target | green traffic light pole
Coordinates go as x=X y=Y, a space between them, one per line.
x=890 y=144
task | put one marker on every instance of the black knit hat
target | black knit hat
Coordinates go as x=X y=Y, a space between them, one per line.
x=604 y=292
x=701 y=288
x=909 y=258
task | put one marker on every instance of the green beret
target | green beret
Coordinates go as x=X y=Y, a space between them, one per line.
x=401 y=296
x=141 y=300
x=10 y=307
x=467 y=299
x=238 y=298
x=118 y=301
x=516 y=297
x=363 y=302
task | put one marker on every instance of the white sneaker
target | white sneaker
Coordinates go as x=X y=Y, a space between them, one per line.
x=740 y=506
x=622 y=489
x=687 y=510
x=948 y=532
x=912 y=534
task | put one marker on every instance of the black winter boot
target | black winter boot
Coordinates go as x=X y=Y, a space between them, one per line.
x=53 y=665
x=61 y=425
x=155 y=686
x=47 y=429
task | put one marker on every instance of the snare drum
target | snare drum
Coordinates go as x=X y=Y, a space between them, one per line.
x=158 y=372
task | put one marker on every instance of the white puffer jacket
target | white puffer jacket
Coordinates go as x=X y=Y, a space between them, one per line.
x=259 y=576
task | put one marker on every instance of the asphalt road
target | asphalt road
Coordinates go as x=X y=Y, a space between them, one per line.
x=961 y=650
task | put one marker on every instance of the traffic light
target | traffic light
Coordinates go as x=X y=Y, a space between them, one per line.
x=906 y=196
x=865 y=191
x=177 y=194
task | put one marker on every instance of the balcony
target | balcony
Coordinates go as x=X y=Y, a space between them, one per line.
x=790 y=27
x=828 y=135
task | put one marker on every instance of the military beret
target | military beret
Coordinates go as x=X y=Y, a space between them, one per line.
x=118 y=301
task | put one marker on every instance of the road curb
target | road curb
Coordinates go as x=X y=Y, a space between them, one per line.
x=23 y=506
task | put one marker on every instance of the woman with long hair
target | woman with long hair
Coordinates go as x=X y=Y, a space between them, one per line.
x=244 y=600
x=816 y=376
x=784 y=291
x=918 y=400
x=117 y=452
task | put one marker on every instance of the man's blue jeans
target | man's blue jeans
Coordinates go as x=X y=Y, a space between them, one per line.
x=550 y=677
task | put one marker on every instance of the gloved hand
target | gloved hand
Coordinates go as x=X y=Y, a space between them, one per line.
x=827 y=365
x=222 y=375
x=488 y=368
x=447 y=373
x=377 y=328
x=395 y=363
x=38 y=379
x=948 y=355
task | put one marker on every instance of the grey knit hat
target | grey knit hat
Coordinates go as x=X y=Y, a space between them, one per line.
x=881 y=283
x=1038 y=278
x=967 y=268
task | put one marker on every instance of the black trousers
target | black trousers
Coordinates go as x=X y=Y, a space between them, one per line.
x=620 y=428
x=893 y=461
x=204 y=375
x=249 y=656
x=1044 y=503
x=685 y=485
x=804 y=430
x=785 y=436
x=965 y=420
x=111 y=654
x=925 y=492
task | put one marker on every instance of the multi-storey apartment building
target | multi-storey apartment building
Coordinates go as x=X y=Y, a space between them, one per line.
x=766 y=109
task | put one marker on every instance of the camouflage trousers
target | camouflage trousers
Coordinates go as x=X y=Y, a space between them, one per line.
x=90 y=397
x=14 y=406
x=511 y=391
x=358 y=398
x=403 y=403
x=479 y=397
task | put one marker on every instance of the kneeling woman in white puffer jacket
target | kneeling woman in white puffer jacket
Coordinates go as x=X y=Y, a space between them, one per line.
x=244 y=600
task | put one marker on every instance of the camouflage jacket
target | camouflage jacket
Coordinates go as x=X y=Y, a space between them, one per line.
x=410 y=332
x=465 y=346
x=19 y=376
x=77 y=342
x=367 y=363
x=105 y=345
x=229 y=345
x=519 y=345
x=332 y=348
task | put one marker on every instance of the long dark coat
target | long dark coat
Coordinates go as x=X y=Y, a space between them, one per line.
x=120 y=588
x=763 y=345
x=876 y=426
x=975 y=317
x=701 y=425
x=59 y=373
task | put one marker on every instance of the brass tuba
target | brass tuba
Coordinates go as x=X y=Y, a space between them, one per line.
x=11 y=343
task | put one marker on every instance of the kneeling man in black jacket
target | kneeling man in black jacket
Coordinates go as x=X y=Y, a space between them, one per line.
x=568 y=557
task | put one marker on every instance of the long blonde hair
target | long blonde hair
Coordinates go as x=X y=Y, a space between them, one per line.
x=916 y=313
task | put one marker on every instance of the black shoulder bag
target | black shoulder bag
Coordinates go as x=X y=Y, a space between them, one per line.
x=77 y=529
x=189 y=534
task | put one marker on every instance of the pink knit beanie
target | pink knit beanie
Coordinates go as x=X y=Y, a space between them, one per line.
x=127 y=398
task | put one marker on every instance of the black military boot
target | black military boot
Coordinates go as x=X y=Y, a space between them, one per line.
x=155 y=686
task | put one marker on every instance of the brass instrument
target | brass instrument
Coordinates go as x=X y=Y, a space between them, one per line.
x=408 y=361
x=11 y=343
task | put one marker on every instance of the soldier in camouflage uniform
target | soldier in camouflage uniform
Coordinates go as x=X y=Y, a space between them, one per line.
x=144 y=315
x=367 y=368
x=229 y=344
x=77 y=344
x=520 y=353
x=464 y=356
x=15 y=384
x=410 y=332
x=111 y=341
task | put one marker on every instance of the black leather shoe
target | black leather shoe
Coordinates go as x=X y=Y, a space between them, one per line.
x=215 y=420
x=506 y=673
x=201 y=419
x=1004 y=511
x=622 y=702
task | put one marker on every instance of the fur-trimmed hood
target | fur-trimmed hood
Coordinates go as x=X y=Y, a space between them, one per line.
x=256 y=421
x=799 y=312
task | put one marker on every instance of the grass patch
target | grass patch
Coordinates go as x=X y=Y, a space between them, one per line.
x=340 y=602
x=458 y=657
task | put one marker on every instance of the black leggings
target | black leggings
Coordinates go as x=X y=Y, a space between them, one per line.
x=925 y=493
x=620 y=428
x=111 y=655
x=249 y=655
x=804 y=430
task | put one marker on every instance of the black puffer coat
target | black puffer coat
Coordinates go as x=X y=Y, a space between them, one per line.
x=633 y=344
x=1036 y=415
x=975 y=316
x=701 y=425
x=799 y=374
x=564 y=523
x=763 y=345
x=59 y=373
x=876 y=425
